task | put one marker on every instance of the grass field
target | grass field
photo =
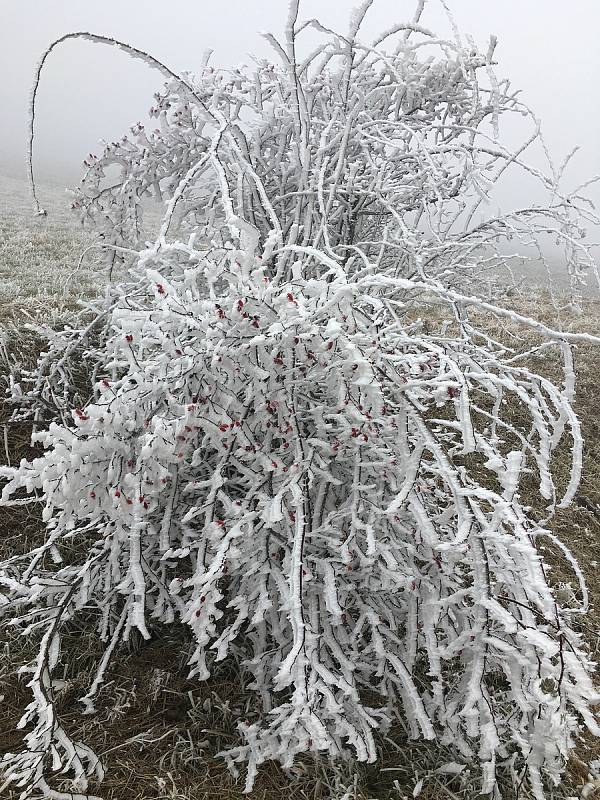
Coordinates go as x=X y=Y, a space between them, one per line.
x=156 y=731
x=39 y=256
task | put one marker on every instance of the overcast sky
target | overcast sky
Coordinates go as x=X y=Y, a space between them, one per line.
x=547 y=47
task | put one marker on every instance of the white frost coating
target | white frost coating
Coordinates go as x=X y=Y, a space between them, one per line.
x=281 y=448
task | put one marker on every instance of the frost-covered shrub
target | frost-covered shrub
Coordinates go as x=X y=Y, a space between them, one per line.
x=279 y=452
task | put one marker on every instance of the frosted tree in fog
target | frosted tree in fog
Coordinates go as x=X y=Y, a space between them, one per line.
x=280 y=444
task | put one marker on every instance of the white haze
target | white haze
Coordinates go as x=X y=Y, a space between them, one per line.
x=89 y=92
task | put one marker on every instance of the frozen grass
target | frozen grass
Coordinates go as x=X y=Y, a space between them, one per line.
x=39 y=274
x=155 y=729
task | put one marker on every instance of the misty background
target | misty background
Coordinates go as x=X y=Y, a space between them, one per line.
x=88 y=92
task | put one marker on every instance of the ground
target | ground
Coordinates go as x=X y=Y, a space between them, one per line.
x=155 y=730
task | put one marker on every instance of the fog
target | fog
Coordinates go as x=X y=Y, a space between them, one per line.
x=88 y=92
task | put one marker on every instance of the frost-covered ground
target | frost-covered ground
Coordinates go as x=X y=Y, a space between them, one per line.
x=39 y=256
x=40 y=269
